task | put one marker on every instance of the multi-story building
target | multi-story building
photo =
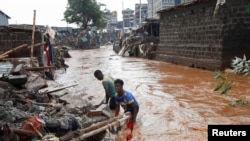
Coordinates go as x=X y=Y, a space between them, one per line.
x=157 y=5
x=111 y=18
x=120 y=24
x=141 y=12
x=128 y=17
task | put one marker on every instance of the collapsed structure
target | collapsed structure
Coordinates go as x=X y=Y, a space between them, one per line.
x=141 y=42
x=32 y=104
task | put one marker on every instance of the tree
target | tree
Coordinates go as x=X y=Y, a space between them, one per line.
x=84 y=13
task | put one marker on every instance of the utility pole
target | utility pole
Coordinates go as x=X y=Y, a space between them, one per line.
x=122 y=17
x=152 y=8
x=152 y=18
x=140 y=14
x=121 y=35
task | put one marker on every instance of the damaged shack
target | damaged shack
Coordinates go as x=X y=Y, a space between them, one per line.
x=141 y=42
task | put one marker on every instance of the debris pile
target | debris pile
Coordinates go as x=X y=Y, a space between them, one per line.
x=138 y=46
x=141 y=42
x=31 y=108
x=87 y=40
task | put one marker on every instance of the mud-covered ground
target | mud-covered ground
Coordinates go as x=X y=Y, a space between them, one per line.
x=176 y=102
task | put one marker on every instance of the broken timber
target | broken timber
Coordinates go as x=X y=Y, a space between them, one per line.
x=39 y=68
x=93 y=129
x=13 y=50
x=23 y=46
x=50 y=90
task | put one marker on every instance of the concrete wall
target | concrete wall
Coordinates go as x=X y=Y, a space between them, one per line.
x=192 y=35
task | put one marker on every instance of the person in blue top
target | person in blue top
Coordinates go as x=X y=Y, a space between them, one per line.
x=126 y=100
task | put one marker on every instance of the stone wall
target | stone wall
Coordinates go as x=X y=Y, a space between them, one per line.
x=194 y=36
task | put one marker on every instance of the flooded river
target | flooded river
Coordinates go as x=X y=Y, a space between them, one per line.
x=176 y=102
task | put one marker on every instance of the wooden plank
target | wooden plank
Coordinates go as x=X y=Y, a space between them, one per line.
x=99 y=129
x=15 y=49
x=92 y=113
x=50 y=90
x=39 y=68
x=74 y=134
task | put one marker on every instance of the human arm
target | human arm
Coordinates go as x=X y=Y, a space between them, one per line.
x=132 y=106
x=135 y=111
x=117 y=109
x=107 y=95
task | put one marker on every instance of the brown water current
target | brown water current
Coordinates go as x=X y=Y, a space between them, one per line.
x=176 y=102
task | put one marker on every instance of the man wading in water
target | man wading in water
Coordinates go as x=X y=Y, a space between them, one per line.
x=126 y=100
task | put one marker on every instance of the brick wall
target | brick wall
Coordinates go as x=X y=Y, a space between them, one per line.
x=11 y=38
x=192 y=35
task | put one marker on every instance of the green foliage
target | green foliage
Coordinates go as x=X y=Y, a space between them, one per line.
x=84 y=13
x=223 y=86
x=240 y=66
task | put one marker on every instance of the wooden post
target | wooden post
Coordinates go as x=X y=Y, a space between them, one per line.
x=33 y=34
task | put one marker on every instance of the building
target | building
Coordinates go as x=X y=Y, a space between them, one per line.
x=141 y=12
x=183 y=1
x=156 y=5
x=4 y=18
x=120 y=24
x=204 y=34
x=177 y=2
x=128 y=17
x=111 y=20
x=113 y=17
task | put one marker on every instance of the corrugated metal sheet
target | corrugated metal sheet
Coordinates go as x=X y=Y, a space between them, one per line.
x=5 y=68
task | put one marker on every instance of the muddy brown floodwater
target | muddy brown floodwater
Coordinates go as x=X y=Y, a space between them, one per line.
x=176 y=102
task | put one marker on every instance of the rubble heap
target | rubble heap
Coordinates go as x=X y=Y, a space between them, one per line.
x=32 y=104
x=138 y=46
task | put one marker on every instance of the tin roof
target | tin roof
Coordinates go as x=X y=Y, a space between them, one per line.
x=4 y=14
x=179 y=6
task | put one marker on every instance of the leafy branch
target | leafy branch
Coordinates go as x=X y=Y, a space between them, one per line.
x=240 y=66
x=223 y=86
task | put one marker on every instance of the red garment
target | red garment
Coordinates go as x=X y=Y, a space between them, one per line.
x=31 y=124
x=130 y=126
x=47 y=54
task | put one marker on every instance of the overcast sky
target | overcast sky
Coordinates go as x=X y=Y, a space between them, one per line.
x=50 y=12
